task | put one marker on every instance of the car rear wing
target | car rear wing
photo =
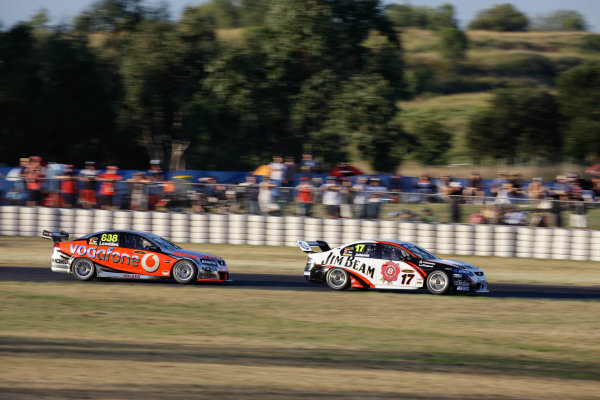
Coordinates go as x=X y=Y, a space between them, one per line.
x=55 y=236
x=307 y=246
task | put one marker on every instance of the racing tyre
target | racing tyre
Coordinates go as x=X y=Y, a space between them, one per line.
x=438 y=282
x=338 y=279
x=184 y=272
x=83 y=269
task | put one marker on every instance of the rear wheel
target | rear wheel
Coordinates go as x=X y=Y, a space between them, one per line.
x=184 y=271
x=83 y=269
x=438 y=282
x=338 y=279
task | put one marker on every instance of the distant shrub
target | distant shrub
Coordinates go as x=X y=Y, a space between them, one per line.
x=524 y=65
x=501 y=18
x=591 y=42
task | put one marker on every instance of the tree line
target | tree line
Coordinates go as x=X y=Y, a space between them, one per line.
x=125 y=83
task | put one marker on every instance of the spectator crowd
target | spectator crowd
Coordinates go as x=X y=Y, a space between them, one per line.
x=286 y=187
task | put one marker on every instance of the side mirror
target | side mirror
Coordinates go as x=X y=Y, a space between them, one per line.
x=152 y=248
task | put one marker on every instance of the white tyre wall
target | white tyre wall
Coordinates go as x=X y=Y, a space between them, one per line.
x=407 y=231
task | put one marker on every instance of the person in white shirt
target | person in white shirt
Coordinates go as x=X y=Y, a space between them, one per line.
x=331 y=197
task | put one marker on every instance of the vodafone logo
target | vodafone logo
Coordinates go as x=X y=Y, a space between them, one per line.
x=150 y=262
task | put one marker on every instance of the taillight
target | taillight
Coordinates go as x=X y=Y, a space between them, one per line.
x=56 y=245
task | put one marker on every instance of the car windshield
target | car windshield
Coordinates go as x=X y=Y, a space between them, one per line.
x=163 y=243
x=420 y=252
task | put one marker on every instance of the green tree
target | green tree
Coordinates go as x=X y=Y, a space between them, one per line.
x=502 y=18
x=404 y=15
x=578 y=94
x=432 y=142
x=520 y=122
x=453 y=43
x=560 y=20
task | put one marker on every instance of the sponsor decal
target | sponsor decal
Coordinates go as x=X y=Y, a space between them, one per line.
x=408 y=271
x=104 y=255
x=165 y=273
x=185 y=255
x=390 y=271
x=131 y=276
x=60 y=261
x=109 y=239
x=304 y=246
x=426 y=264
x=350 y=262
x=348 y=252
x=150 y=262
x=93 y=240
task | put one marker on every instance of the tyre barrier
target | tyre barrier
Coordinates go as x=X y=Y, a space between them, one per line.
x=459 y=239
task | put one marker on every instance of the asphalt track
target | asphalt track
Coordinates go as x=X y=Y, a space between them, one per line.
x=298 y=283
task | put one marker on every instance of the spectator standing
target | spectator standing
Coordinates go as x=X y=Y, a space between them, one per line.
x=454 y=196
x=305 y=194
x=34 y=176
x=475 y=188
x=308 y=166
x=346 y=198
x=88 y=176
x=266 y=201
x=536 y=189
x=17 y=192
x=331 y=197
x=425 y=187
x=107 y=189
x=156 y=177
x=139 y=191
x=250 y=194
x=360 y=197
x=375 y=197
x=497 y=183
x=395 y=188
x=277 y=175
x=68 y=187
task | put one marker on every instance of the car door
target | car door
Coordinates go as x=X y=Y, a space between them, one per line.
x=111 y=253
x=146 y=257
x=395 y=270
x=360 y=259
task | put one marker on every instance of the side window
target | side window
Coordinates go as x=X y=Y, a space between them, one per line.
x=389 y=252
x=132 y=241
x=365 y=250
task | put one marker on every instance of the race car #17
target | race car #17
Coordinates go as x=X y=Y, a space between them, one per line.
x=132 y=255
x=387 y=264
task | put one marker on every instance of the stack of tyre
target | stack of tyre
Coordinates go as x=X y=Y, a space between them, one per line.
x=180 y=227
x=332 y=231
x=505 y=240
x=122 y=220
x=257 y=231
x=465 y=241
x=427 y=236
x=561 y=244
x=199 y=228
x=238 y=223
x=28 y=221
x=218 y=228
x=484 y=240
x=594 y=237
x=9 y=220
x=294 y=230
x=275 y=231
x=313 y=229
x=141 y=221
x=103 y=220
x=388 y=230
x=445 y=239
x=585 y=245
x=407 y=231
x=542 y=244
x=525 y=240
x=351 y=230
x=369 y=229
x=161 y=224
x=48 y=219
x=84 y=222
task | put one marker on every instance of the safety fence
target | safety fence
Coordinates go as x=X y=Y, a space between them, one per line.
x=459 y=239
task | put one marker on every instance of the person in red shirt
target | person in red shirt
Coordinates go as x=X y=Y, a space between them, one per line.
x=34 y=176
x=107 y=188
x=68 y=187
x=304 y=196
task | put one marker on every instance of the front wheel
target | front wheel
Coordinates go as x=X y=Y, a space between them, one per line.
x=83 y=269
x=184 y=271
x=438 y=282
x=338 y=279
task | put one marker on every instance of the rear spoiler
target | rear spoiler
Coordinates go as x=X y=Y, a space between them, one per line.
x=307 y=246
x=55 y=236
